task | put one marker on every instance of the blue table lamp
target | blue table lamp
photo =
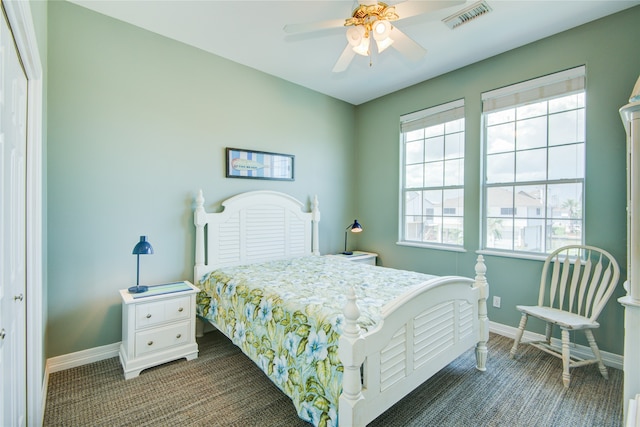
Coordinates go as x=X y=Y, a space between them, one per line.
x=355 y=228
x=142 y=248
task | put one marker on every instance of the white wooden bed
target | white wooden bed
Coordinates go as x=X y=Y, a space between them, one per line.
x=421 y=332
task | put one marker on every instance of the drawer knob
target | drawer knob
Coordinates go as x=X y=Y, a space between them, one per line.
x=148 y=316
x=150 y=343
x=180 y=309
x=178 y=336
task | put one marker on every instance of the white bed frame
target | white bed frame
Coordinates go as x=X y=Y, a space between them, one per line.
x=421 y=332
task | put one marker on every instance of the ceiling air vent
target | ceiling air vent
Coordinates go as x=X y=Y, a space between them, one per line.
x=467 y=14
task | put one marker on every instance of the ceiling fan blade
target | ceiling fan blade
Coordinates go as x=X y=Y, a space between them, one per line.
x=405 y=45
x=407 y=9
x=313 y=26
x=345 y=59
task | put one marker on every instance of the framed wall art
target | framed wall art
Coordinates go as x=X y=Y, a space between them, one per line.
x=259 y=165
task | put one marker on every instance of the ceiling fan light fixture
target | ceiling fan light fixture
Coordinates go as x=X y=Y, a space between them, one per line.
x=359 y=39
x=355 y=35
x=381 y=29
x=363 y=47
x=383 y=44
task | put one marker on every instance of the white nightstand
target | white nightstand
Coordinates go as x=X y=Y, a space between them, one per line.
x=360 y=256
x=158 y=326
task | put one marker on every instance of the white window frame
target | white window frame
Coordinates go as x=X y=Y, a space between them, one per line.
x=423 y=119
x=549 y=87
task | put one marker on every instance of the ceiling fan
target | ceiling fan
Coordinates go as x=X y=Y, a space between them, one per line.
x=372 y=19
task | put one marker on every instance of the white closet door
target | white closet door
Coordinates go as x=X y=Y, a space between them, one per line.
x=13 y=139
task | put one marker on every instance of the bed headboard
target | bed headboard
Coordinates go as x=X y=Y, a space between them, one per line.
x=253 y=227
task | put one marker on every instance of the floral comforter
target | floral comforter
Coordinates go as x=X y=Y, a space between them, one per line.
x=287 y=317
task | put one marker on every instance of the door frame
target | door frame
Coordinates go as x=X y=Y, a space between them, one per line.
x=21 y=23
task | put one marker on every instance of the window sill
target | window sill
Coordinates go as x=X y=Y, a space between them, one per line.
x=432 y=246
x=518 y=255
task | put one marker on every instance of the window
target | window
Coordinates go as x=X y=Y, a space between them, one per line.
x=534 y=164
x=432 y=180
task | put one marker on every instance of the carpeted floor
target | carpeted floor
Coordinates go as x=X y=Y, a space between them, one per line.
x=224 y=388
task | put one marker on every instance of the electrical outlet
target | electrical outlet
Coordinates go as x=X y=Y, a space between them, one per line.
x=496 y=302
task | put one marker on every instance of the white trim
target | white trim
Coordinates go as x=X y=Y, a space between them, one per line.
x=83 y=357
x=610 y=359
x=440 y=247
x=431 y=116
x=21 y=22
x=96 y=354
x=534 y=90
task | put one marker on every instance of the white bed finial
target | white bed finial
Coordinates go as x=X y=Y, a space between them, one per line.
x=351 y=315
x=199 y=219
x=200 y=200
x=482 y=285
x=315 y=219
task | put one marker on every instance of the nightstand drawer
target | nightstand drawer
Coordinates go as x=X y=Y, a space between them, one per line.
x=160 y=338
x=162 y=311
x=158 y=326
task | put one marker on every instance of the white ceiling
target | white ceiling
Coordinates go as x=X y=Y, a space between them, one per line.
x=251 y=33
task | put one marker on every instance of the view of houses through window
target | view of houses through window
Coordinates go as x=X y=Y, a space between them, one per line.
x=432 y=146
x=533 y=168
x=534 y=164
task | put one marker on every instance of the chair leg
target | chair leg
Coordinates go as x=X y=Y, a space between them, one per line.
x=519 y=332
x=548 y=330
x=596 y=352
x=566 y=360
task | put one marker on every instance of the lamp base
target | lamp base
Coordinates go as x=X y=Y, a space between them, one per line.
x=347 y=253
x=138 y=289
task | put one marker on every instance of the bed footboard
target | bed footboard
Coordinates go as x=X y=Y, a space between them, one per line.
x=421 y=333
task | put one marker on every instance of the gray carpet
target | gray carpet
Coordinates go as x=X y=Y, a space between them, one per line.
x=224 y=388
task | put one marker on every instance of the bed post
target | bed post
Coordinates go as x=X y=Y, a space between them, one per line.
x=482 y=285
x=315 y=219
x=199 y=221
x=351 y=352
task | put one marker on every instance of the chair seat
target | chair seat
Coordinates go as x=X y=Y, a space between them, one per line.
x=564 y=319
x=575 y=277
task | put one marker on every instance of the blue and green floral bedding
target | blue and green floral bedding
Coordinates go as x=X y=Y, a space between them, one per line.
x=287 y=317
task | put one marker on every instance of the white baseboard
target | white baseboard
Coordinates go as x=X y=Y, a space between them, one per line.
x=609 y=359
x=79 y=358
x=72 y=360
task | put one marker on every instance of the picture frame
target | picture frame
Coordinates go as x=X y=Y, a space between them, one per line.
x=252 y=164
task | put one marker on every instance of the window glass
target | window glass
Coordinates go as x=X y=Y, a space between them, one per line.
x=534 y=164
x=432 y=149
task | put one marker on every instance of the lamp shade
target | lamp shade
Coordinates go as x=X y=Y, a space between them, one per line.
x=355 y=227
x=143 y=247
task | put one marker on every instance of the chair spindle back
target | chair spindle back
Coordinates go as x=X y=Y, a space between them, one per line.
x=581 y=280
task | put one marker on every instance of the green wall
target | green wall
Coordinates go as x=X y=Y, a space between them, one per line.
x=609 y=49
x=137 y=124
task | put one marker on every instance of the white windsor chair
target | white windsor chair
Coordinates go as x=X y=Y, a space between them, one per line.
x=572 y=295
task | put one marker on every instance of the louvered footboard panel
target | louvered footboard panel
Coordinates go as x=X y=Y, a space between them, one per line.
x=433 y=333
x=393 y=360
x=423 y=339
